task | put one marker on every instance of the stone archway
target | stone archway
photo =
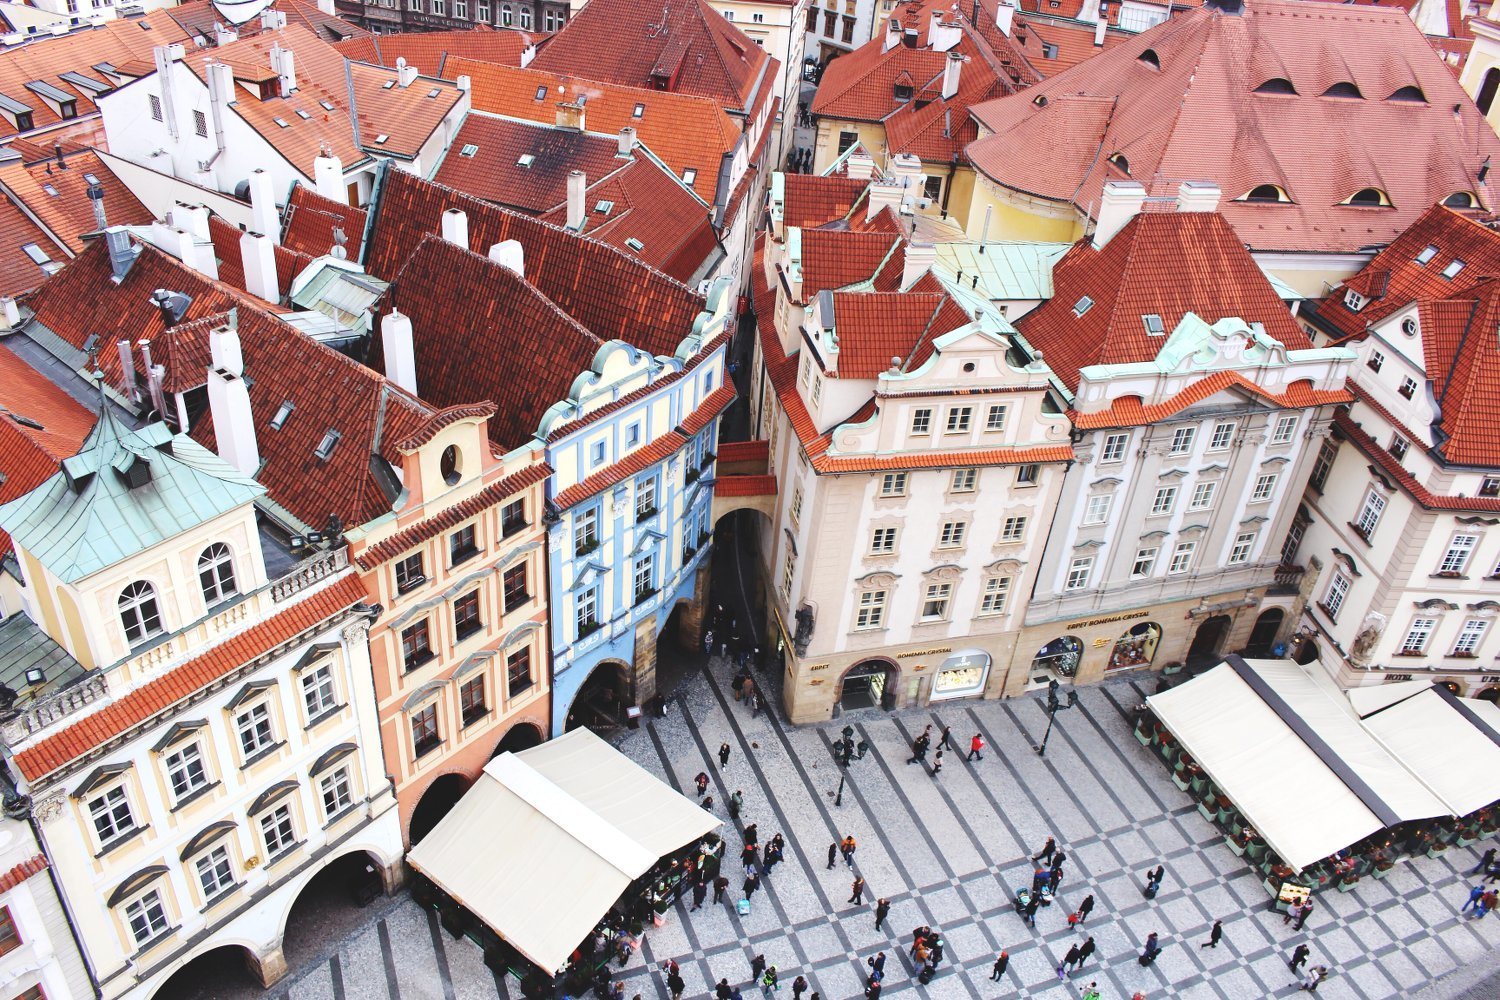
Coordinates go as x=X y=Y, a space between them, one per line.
x=1208 y=641
x=868 y=684
x=1263 y=635
x=1057 y=660
x=1136 y=648
x=521 y=736
x=329 y=905
x=228 y=972
x=602 y=698
x=436 y=802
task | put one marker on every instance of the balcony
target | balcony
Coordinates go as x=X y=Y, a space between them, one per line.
x=1287 y=580
x=309 y=572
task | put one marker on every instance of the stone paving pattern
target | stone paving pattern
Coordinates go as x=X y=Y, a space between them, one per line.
x=949 y=852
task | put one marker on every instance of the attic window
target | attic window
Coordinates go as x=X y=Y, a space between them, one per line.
x=434 y=91
x=39 y=256
x=526 y=160
x=325 y=447
x=1082 y=306
x=1150 y=58
x=1460 y=199
x=902 y=92
x=281 y=122
x=541 y=93
x=1118 y=159
x=1276 y=85
x=1410 y=93
x=605 y=207
x=50 y=190
x=1266 y=192
x=640 y=109
x=1427 y=254
x=1343 y=89
x=303 y=115
x=1049 y=51
x=285 y=410
x=689 y=175
x=326 y=105
x=1154 y=325
x=388 y=85
x=380 y=140
x=91 y=178
x=1369 y=198
x=469 y=150
x=1450 y=272
x=635 y=244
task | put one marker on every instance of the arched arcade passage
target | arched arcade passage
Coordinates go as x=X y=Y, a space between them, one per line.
x=521 y=736
x=441 y=796
x=224 y=973
x=601 y=702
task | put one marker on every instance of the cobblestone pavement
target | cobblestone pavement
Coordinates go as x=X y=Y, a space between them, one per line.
x=949 y=851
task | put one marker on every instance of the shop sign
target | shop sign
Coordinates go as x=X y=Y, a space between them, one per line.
x=1490 y=679
x=818 y=666
x=924 y=652
x=1090 y=623
x=1393 y=678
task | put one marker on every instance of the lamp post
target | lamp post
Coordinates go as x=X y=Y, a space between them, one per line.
x=1054 y=705
x=844 y=751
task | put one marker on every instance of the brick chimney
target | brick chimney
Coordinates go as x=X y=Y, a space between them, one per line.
x=570 y=115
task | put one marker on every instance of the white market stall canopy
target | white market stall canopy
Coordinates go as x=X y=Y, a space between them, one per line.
x=1290 y=752
x=547 y=840
x=1451 y=744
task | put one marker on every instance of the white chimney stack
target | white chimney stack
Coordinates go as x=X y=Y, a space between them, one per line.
x=1198 y=196
x=919 y=260
x=860 y=165
x=1005 y=15
x=1100 y=27
x=127 y=368
x=1120 y=203
x=328 y=179
x=400 y=357
x=577 y=188
x=284 y=65
x=456 y=227
x=892 y=34
x=528 y=54
x=263 y=215
x=220 y=82
x=943 y=35
x=404 y=74
x=223 y=34
x=272 y=20
x=229 y=400
x=187 y=248
x=464 y=83
x=627 y=140
x=510 y=255
x=258 y=255
x=10 y=313
x=951 y=70
x=327 y=7
x=192 y=218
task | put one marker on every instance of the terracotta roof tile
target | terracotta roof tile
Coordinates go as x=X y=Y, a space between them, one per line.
x=812 y=200
x=20 y=873
x=226 y=241
x=311 y=220
x=18 y=272
x=743 y=451
x=1072 y=41
x=198 y=17
x=1128 y=411
x=57 y=195
x=1399 y=474
x=745 y=486
x=429 y=51
x=876 y=328
x=40 y=425
x=155 y=696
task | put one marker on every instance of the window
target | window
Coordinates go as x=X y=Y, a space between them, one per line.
x=318 y=692
x=846 y=139
x=586 y=531
x=959 y=419
x=1182 y=440
x=871 y=609
x=848 y=31
x=514 y=584
x=440 y=7
x=1489 y=486
x=216 y=574
x=424 y=730
x=1369 y=514
x=518 y=672
x=1240 y=551
x=1145 y=563
x=254 y=728
x=645 y=499
x=893 y=484
x=952 y=534
x=335 y=790
x=1408 y=386
x=1416 y=637
x=586 y=611
x=963 y=480
x=1013 y=529
x=1456 y=559
x=1375 y=361
x=1265 y=485
x=185 y=771
x=1399 y=447
x=200 y=123
x=817 y=389
x=994 y=419
x=461 y=544
x=1470 y=636
x=10 y=939
x=156 y=107
x=1333 y=598
x=512 y=518
x=1078 y=573
x=483 y=9
x=921 y=420
x=1152 y=321
x=787 y=569
x=1293 y=541
x=1286 y=426
x=147 y=918
x=1164 y=501
x=1426 y=255
x=466 y=616
x=996 y=594
x=1083 y=305
x=1026 y=475
x=1451 y=271
x=1223 y=434
x=796 y=509
x=935 y=605
x=139 y=613
x=409 y=574
x=645 y=576
x=1097 y=511
x=883 y=541
x=461 y=9
x=111 y=815
x=277 y=830
x=1182 y=557
x=215 y=873
x=414 y=5
x=416 y=644
x=1323 y=465
x=1203 y=495
x=505 y=16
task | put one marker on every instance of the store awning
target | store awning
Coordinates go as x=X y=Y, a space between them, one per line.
x=548 y=839
x=1447 y=743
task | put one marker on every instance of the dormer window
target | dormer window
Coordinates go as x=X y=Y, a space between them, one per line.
x=1353 y=300
x=1451 y=271
x=1150 y=58
x=1411 y=94
x=1369 y=198
x=1154 y=325
x=1082 y=306
x=1426 y=255
x=902 y=92
x=139 y=614
x=1118 y=159
x=1461 y=199
x=1267 y=193
x=1343 y=89
x=1276 y=85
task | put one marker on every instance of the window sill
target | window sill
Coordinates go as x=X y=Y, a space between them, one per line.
x=584 y=631
x=261 y=755
x=319 y=720
x=121 y=841
x=520 y=691
x=343 y=813
x=462 y=634
x=459 y=558
x=1447 y=576
x=1358 y=533
x=152 y=943
x=221 y=896
x=1410 y=653
x=400 y=590
x=417 y=662
x=642 y=515
x=518 y=605
x=584 y=550
x=1330 y=615
x=194 y=796
x=1463 y=656
x=642 y=598
x=283 y=854
x=881 y=555
x=470 y=718
x=423 y=751
x=507 y=530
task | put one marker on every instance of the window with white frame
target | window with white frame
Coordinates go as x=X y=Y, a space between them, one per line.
x=871 y=611
x=1164 y=501
x=1399 y=447
x=1323 y=465
x=1265 y=485
x=185 y=770
x=318 y=693
x=1203 y=495
x=817 y=389
x=883 y=541
x=147 y=918
x=645 y=499
x=804 y=371
x=586 y=531
x=994 y=419
x=1013 y=529
x=952 y=534
x=1470 y=636
x=1114 y=448
x=1286 y=426
x=216 y=574
x=1417 y=636
x=893 y=484
x=277 y=830
x=1408 y=387
x=1097 y=510
x=796 y=508
x=1244 y=544
x=963 y=480
x=921 y=420
x=139 y=613
x=1222 y=436
x=935 y=604
x=1333 y=597
x=1369 y=514
x=253 y=726
x=461 y=9
x=1027 y=475
x=1456 y=559
x=335 y=791
x=959 y=419
x=996 y=593
x=1182 y=440
x=215 y=872
x=1375 y=361
x=787 y=568
x=1145 y=562
x=1182 y=557
x=586 y=611
x=1078 y=573
x=645 y=576
x=111 y=815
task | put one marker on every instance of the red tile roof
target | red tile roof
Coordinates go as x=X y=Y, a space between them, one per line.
x=1128 y=411
x=20 y=873
x=683 y=46
x=67 y=214
x=429 y=51
x=226 y=241
x=18 y=272
x=1163 y=263
x=1401 y=475
x=1180 y=102
x=155 y=696
x=743 y=451
x=812 y=200
x=1073 y=41
x=311 y=220
x=836 y=259
x=198 y=17
x=745 y=486
x=40 y=425
x=877 y=330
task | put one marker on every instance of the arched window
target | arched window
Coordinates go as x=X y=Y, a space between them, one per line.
x=1343 y=89
x=1461 y=199
x=1411 y=93
x=1150 y=58
x=216 y=574
x=1118 y=159
x=1487 y=90
x=526 y=18
x=139 y=613
x=1276 y=85
x=1266 y=192
x=505 y=16
x=1369 y=198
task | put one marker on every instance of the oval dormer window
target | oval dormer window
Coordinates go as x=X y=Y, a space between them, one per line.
x=1150 y=58
x=1276 y=85
x=1118 y=159
x=1369 y=198
x=1266 y=193
x=450 y=465
x=1461 y=199
x=1411 y=93
x=1343 y=89
x=1409 y=326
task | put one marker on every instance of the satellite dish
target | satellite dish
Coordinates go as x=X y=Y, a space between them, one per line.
x=237 y=12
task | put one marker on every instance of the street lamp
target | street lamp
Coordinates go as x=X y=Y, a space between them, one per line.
x=844 y=751
x=1054 y=705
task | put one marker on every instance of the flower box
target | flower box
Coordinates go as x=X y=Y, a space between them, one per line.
x=1436 y=850
x=1380 y=872
x=1256 y=849
x=1179 y=780
x=1348 y=883
x=1207 y=813
x=1200 y=783
x=1235 y=846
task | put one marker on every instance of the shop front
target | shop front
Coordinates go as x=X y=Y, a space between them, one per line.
x=961 y=675
x=1136 y=648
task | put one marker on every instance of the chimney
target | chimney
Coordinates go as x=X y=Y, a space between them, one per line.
x=263 y=216
x=906 y=168
x=882 y=194
x=272 y=20
x=528 y=54
x=627 y=140
x=404 y=74
x=1100 y=27
x=892 y=34
x=919 y=260
x=909 y=37
x=10 y=313
x=396 y=343
x=229 y=399
x=284 y=65
x=164 y=56
x=223 y=34
x=328 y=178
x=1088 y=12
x=220 y=82
x=1121 y=202
x=570 y=115
x=196 y=253
x=1198 y=196
x=510 y=255
x=1005 y=15
x=860 y=165
x=122 y=252
x=192 y=218
x=96 y=199
x=456 y=227
x=127 y=369
x=464 y=83
x=943 y=35
x=577 y=188
x=951 y=70
x=327 y=7
x=258 y=257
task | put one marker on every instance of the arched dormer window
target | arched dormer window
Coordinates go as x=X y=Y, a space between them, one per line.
x=1343 y=89
x=216 y=574
x=1118 y=159
x=139 y=614
x=1369 y=198
x=1411 y=94
x=1276 y=85
x=1461 y=199
x=1266 y=193
x=1150 y=58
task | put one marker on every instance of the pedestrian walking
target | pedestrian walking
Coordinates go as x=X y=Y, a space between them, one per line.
x=752 y=835
x=702 y=782
x=1085 y=951
x=736 y=803
x=882 y=910
x=1299 y=957
x=1307 y=907
x=708 y=803
x=768 y=982
x=720 y=885
x=1048 y=849
x=1031 y=908
x=848 y=847
x=700 y=893
x=856 y=889
x=1484 y=862
x=1313 y=978
x=1486 y=904
x=1086 y=907
x=1054 y=879
x=1092 y=992
x=1473 y=900
x=872 y=990
x=754 y=700
x=799 y=987
x=1152 y=949
x=1153 y=882
x=1071 y=959
x=737 y=685
x=1214 y=936
x=918 y=749
x=752 y=882
x=708 y=642
x=723 y=754
x=946 y=742
x=721 y=991
x=676 y=985
x=877 y=965
x=833 y=853
x=976 y=748
x=997 y=971
x=1059 y=858
x=757 y=966
x=937 y=764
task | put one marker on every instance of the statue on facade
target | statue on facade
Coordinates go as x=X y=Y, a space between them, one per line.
x=1365 y=639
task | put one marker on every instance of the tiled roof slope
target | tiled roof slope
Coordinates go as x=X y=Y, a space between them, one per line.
x=1073 y=41
x=679 y=45
x=813 y=200
x=687 y=132
x=875 y=329
x=1181 y=101
x=1128 y=411
x=40 y=425
x=23 y=871
x=67 y=214
x=198 y=17
x=226 y=241
x=1166 y=263
x=310 y=220
x=836 y=259
x=428 y=51
x=18 y=272
x=609 y=293
x=143 y=703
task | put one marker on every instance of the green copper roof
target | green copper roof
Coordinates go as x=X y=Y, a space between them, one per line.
x=1005 y=270
x=125 y=492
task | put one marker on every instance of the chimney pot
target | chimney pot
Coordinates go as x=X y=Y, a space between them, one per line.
x=627 y=140
x=577 y=189
x=400 y=357
x=229 y=400
x=1198 y=196
x=456 y=227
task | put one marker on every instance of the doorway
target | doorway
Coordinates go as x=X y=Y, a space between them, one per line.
x=439 y=799
x=866 y=686
x=602 y=700
x=1208 y=643
x=1058 y=660
x=1263 y=635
